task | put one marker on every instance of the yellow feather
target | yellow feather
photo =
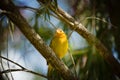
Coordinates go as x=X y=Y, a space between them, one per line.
x=59 y=44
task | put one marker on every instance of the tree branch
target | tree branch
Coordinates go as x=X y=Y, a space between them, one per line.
x=79 y=28
x=15 y=16
x=12 y=62
x=24 y=70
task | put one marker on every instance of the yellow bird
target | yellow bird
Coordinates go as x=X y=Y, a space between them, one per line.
x=59 y=44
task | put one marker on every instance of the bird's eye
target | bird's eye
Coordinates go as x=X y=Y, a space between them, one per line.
x=61 y=31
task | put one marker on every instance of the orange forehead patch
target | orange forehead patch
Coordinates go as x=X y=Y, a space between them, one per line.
x=59 y=31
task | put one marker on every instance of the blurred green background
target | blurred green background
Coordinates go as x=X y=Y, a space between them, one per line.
x=100 y=17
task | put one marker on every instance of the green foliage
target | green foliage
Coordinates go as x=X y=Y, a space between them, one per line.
x=89 y=65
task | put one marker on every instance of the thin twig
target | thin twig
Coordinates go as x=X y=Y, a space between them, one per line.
x=71 y=57
x=52 y=24
x=8 y=58
x=24 y=70
x=12 y=62
x=3 y=67
x=27 y=7
x=104 y=52
x=39 y=12
x=72 y=31
x=97 y=18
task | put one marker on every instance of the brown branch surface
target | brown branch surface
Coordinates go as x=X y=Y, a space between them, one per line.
x=79 y=28
x=14 y=15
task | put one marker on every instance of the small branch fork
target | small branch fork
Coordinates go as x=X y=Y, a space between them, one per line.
x=22 y=69
x=92 y=40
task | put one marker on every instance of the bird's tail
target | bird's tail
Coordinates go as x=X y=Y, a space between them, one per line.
x=53 y=74
x=50 y=71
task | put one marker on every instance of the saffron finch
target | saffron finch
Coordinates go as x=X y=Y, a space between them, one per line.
x=59 y=44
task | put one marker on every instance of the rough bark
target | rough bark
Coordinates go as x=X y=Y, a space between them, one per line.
x=12 y=12
x=36 y=40
x=79 y=28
